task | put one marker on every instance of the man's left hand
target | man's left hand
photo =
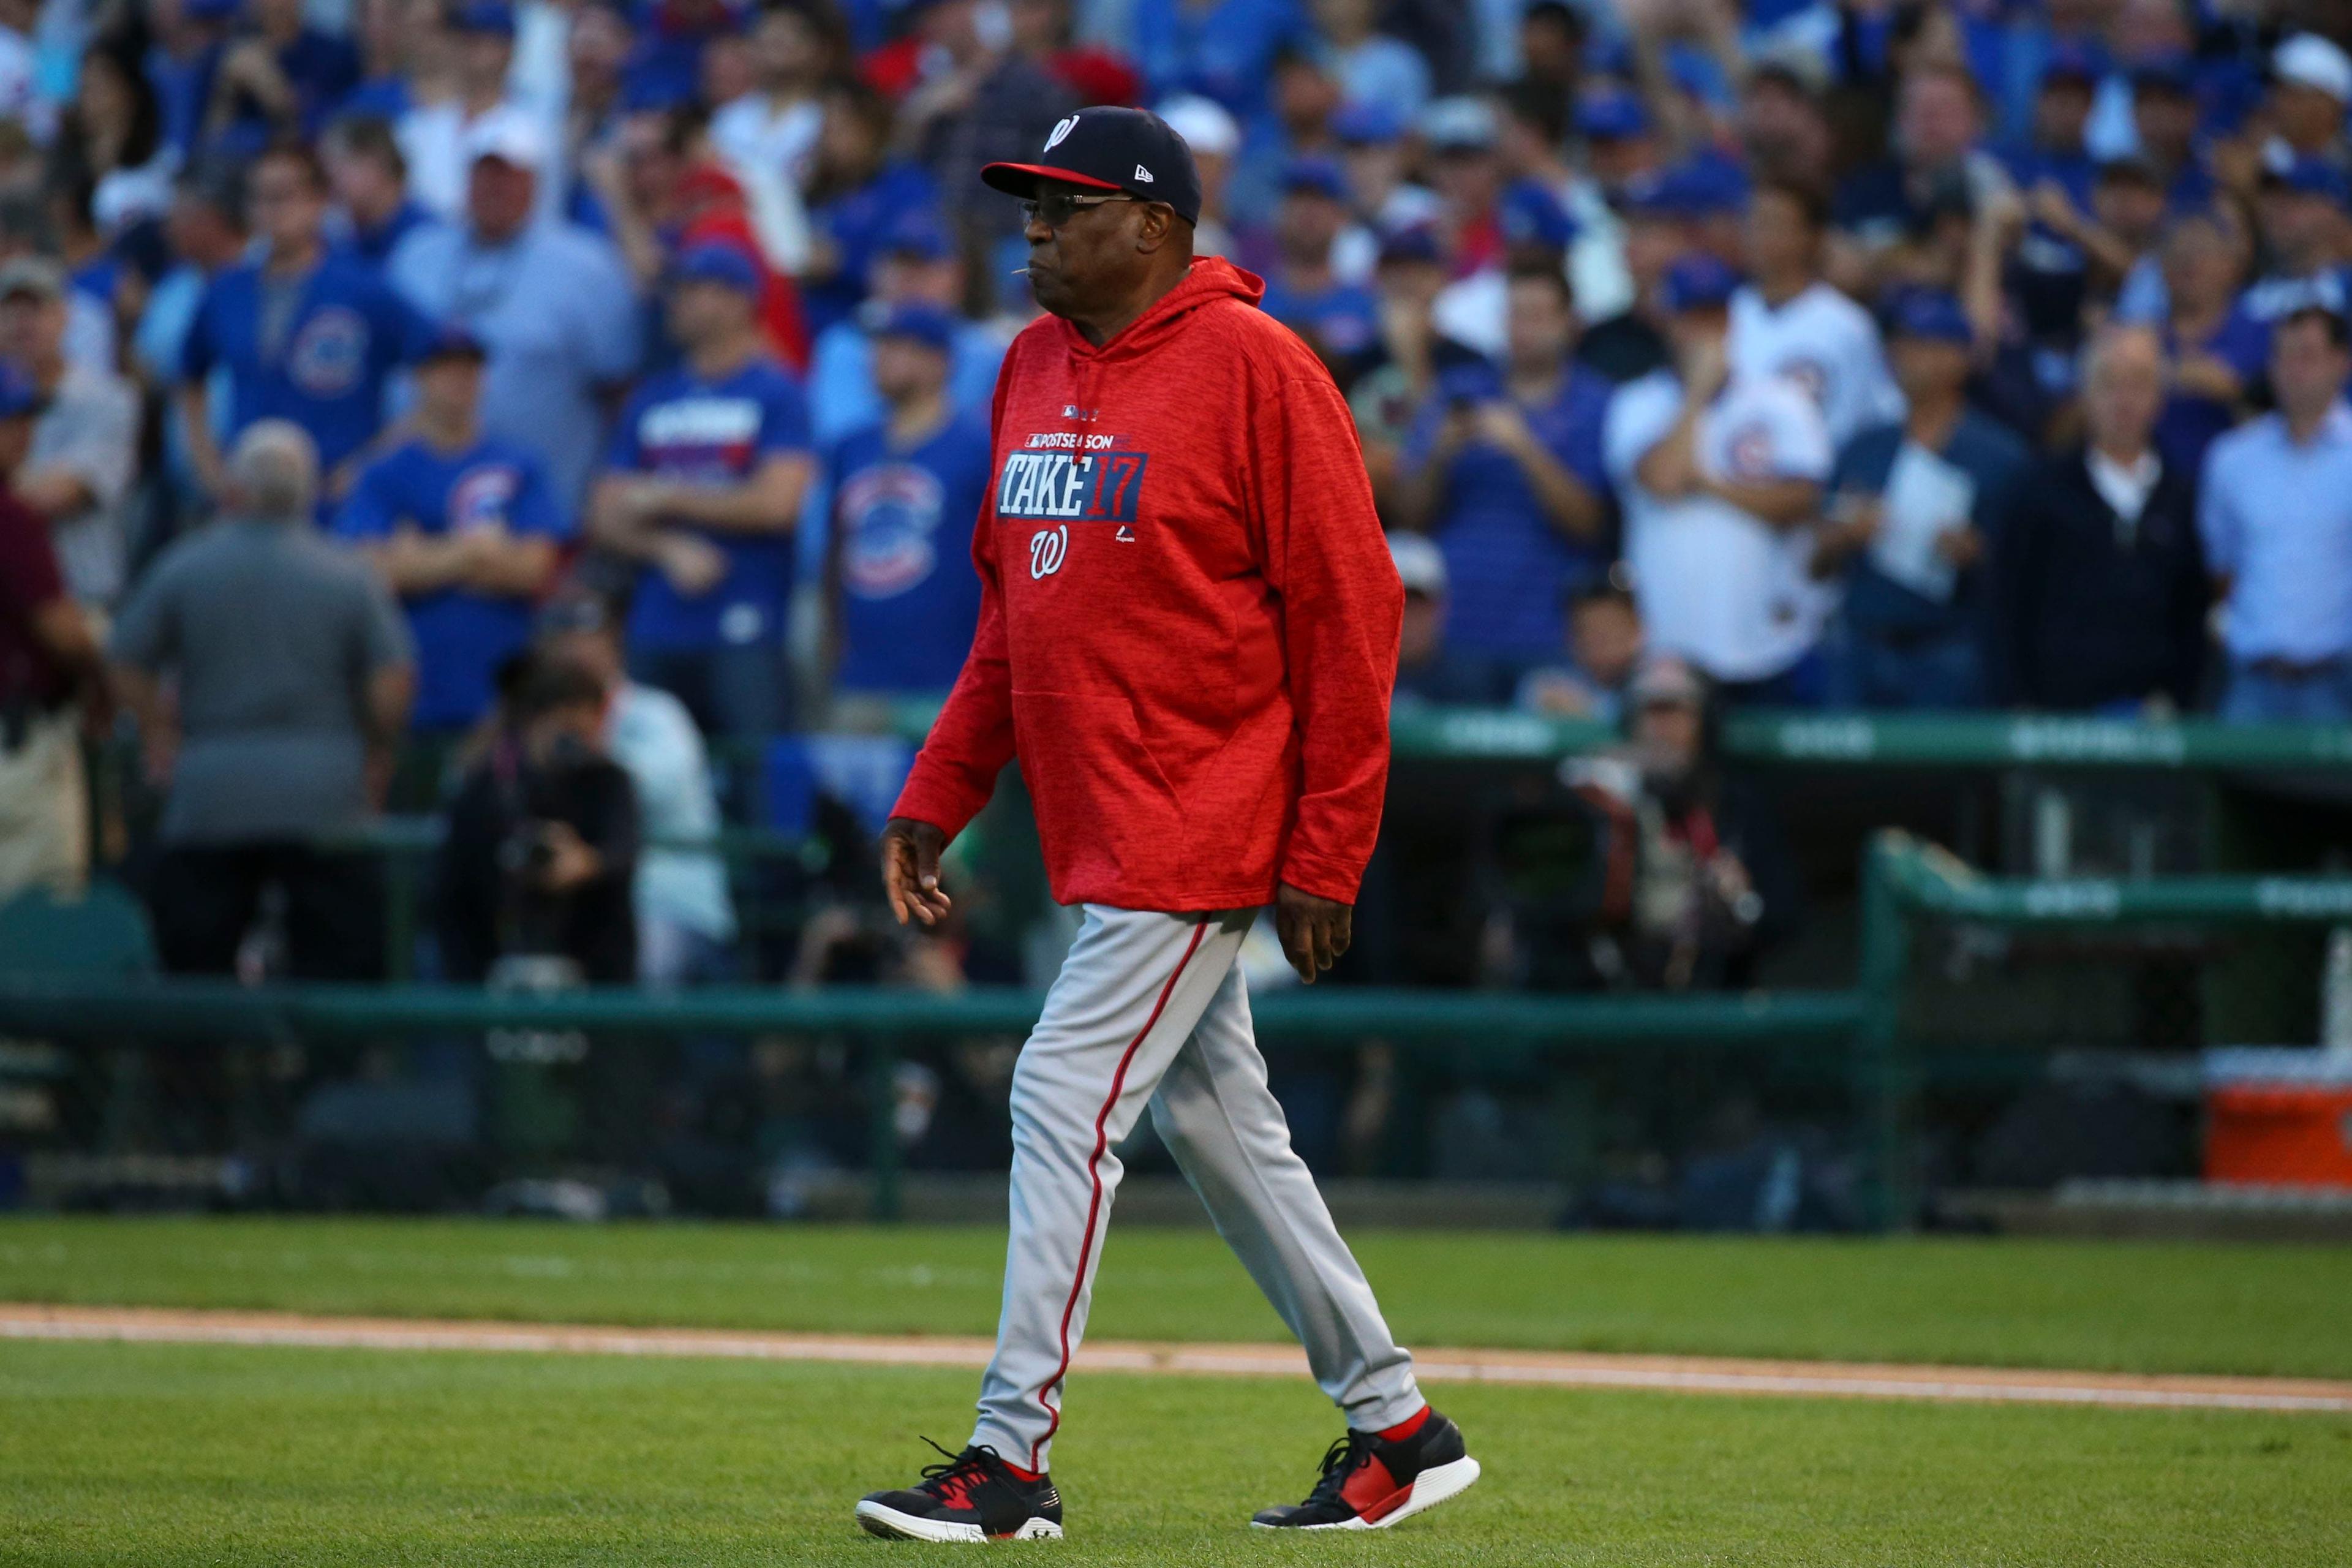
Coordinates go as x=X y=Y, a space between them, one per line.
x=1314 y=932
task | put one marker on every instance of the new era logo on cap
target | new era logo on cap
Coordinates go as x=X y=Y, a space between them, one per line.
x=1108 y=149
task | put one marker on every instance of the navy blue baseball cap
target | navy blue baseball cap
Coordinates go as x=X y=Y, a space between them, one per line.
x=484 y=16
x=916 y=232
x=1417 y=243
x=1698 y=281
x=2310 y=177
x=715 y=263
x=1612 y=114
x=2071 y=61
x=452 y=340
x=1132 y=151
x=1315 y=176
x=1529 y=213
x=19 y=396
x=210 y=10
x=1368 y=125
x=2169 y=72
x=926 y=323
x=1932 y=314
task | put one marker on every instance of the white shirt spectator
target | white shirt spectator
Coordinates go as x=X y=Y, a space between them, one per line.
x=653 y=738
x=1825 y=343
x=436 y=141
x=1715 y=583
x=90 y=429
x=752 y=135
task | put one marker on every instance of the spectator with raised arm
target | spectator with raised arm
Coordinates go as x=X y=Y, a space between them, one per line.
x=703 y=488
x=1720 y=477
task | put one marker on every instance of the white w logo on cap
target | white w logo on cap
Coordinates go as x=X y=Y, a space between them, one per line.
x=1061 y=130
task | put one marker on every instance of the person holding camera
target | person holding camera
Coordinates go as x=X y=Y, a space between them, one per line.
x=542 y=853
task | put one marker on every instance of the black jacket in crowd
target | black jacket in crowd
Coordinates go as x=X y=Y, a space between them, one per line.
x=491 y=906
x=2088 y=611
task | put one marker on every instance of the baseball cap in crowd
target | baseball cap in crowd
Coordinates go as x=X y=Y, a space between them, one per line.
x=1612 y=114
x=926 y=324
x=2137 y=167
x=1417 y=242
x=1420 y=562
x=1529 y=213
x=2310 y=177
x=35 y=275
x=2169 y=72
x=510 y=135
x=210 y=10
x=1204 y=124
x=1459 y=125
x=483 y=17
x=576 y=610
x=1368 y=125
x=2309 y=60
x=1663 y=677
x=712 y=262
x=2071 y=63
x=1315 y=177
x=452 y=340
x=1930 y=313
x=916 y=232
x=1698 y=281
x=1111 y=149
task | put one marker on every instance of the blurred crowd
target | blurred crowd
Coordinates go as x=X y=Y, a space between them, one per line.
x=585 y=389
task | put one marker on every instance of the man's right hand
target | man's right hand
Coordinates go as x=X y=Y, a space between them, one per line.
x=910 y=870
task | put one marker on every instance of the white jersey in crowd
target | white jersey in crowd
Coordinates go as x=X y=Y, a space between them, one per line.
x=1718 y=585
x=1825 y=343
x=653 y=738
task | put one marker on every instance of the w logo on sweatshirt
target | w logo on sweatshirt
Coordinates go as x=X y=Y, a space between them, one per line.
x=1055 y=486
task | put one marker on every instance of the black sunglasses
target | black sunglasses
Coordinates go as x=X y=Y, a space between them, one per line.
x=1059 y=207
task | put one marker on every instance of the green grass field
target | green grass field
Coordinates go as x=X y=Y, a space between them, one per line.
x=2101 y=1306
x=157 y=1454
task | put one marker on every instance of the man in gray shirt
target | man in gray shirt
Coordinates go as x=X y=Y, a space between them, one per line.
x=86 y=442
x=293 y=673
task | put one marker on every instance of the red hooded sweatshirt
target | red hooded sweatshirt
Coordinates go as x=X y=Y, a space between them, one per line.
x=1189 y=616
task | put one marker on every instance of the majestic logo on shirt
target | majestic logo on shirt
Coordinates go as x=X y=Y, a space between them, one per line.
x=1747 y=453
x=329 y=353
x=1048 y=547
x=888 y=514
x=1089 y=486
x=482 y=498
x=1062 y=129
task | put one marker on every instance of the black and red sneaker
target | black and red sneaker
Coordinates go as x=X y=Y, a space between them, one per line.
x=1372 y=1481
x=975 y=1496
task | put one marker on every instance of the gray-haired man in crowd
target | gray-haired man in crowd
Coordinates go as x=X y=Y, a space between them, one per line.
x=294 y=673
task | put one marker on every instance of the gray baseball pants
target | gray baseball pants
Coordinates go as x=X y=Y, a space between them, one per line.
x=1150 y=1009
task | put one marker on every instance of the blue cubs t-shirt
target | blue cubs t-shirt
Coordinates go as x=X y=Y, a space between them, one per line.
x=462 y=636
x=680 y=426
x=317 y=350
x=909 y=594
x=1344 y=320
x=1506 y=562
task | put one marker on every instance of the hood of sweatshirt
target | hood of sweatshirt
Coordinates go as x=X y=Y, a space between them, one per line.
x=1213 y=278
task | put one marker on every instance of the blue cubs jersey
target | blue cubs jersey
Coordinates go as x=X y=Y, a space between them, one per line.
x=316 y=349
x=909 y=596
x=462 y=636
x=680 y=426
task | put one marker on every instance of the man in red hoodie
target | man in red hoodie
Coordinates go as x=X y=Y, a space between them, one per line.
x=1188 y=632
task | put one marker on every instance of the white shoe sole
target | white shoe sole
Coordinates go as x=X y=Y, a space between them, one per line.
x=1429 y=1487
x=891 y=1524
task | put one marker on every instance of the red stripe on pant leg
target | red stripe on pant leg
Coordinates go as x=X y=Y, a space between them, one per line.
x=1094 y=1169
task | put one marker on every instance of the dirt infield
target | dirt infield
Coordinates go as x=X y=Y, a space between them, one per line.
x=1678 y=1374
